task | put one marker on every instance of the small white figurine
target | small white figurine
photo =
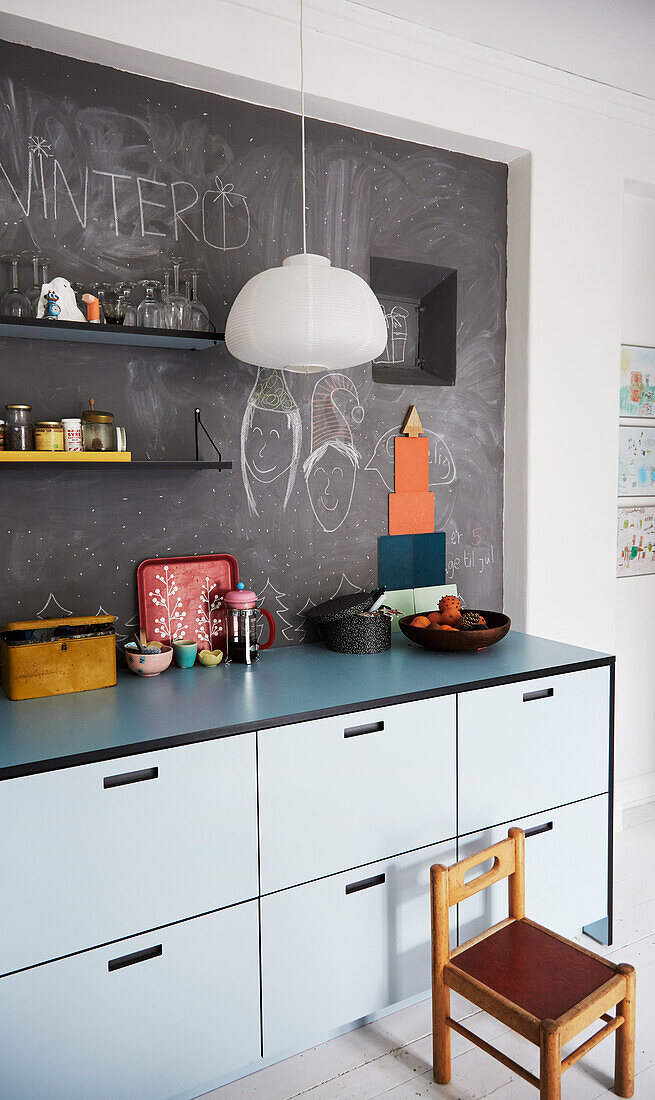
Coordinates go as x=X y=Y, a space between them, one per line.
x=58 y=302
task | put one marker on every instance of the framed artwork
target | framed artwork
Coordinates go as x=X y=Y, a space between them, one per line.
x=635 y=542
x=636 y=462
x=637 y=395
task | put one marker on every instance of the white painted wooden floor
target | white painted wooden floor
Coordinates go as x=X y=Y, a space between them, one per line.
x=392 y=1057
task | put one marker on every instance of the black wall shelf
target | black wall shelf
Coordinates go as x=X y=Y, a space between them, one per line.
x=140 y=464
x=38 y=328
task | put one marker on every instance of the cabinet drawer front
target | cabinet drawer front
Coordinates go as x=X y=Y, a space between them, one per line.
x=343 y=791
x=565 y=870
x=95 y=853
x=529 y=746
x=145 y=1017
x=336 y=950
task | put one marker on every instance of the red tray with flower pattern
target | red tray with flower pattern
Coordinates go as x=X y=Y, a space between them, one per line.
x=183 y=598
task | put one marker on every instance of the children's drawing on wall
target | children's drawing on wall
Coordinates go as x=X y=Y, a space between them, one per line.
x=271 y=436
x=636 y=542
x=637 y=394
x=52 y=609
x=396 y=320
x=442 y=463
x=636 y=461
x=331 y=468
x=275 y=603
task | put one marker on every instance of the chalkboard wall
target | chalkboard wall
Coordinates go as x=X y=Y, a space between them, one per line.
x=109 y=173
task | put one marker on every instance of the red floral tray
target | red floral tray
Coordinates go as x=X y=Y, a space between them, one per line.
x=183 y=598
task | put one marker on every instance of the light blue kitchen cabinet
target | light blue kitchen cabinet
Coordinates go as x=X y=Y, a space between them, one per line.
x=343 y=791
x=150 y=1017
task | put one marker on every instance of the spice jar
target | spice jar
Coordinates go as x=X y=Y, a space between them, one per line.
x=19 y=433
x=48 y=435
x=98 y=430
x=72 y=426
x=2 y=435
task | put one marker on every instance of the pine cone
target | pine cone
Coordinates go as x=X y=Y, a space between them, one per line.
x=470 y=621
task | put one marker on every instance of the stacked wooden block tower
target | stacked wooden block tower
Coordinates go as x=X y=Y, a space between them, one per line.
x=411 y=507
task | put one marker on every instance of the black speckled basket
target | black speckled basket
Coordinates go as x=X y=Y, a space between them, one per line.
x=345 y=628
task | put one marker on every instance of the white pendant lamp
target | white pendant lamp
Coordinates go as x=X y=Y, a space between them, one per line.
x=305 y=316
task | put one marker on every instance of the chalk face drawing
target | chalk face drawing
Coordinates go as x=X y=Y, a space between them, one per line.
x=636 y=461
x=331 y=468
x=636 y=542
x=271 y=436
x=637 y=394
x=396 y=320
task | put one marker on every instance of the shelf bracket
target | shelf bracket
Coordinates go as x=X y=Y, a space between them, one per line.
x=199 y=424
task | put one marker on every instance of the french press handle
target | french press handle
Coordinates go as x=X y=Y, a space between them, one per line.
x=271 y=628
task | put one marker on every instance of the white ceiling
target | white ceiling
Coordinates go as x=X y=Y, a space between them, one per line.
x=610 y=41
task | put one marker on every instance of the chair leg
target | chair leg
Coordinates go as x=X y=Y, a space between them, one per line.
x=624 y=1057
x=441 y=1033
x=550 y=1069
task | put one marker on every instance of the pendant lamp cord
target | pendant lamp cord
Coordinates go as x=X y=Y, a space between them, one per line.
x=302 y=135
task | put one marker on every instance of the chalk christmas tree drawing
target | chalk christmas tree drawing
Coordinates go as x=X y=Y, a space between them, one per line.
x=208 y=621
x=281 y=608
x=169 y=625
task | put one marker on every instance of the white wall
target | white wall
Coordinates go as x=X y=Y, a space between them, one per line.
x=635 y=596
x=564 y=282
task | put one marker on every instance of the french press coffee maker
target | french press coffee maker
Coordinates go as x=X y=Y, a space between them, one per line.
x=242 y=616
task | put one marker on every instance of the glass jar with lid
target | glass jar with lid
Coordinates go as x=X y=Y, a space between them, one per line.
x=19 y=432
x=98 y=430
x=48 y=435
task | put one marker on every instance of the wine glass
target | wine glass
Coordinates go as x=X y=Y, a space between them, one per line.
x=149 y=312
x=13 y=302
x=33 y=295
x=176 y=305
x=198 y=314
x=125 y=308
x=101 y=291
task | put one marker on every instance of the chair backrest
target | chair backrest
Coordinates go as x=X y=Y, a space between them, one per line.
x=448 y=885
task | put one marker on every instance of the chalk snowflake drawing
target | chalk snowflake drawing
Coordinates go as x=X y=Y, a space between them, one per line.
x=208 y=622
x=169 y=625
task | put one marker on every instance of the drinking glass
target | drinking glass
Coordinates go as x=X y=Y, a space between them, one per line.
x=102 y=292
x=149 y=312
x=33 y=295
x=13 y=302
x=125 y=308
x=176 y=305
x=198 y=314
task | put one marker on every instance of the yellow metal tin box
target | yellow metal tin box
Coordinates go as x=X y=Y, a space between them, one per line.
x=45 y=657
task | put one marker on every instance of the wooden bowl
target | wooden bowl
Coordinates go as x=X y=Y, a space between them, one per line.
x=457 y=641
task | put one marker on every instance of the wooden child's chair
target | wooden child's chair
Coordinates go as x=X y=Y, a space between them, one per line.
x=535 y=982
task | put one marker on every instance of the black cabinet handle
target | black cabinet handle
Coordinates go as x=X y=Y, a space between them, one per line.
x=129 y=777
x=536 y=829
x=543 y=693
x=364 y=884
x=135 y=957
x=359 y=731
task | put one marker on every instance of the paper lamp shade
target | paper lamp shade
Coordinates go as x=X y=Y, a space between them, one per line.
x=306 y=316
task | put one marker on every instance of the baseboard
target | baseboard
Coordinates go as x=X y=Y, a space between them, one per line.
x=632 y=792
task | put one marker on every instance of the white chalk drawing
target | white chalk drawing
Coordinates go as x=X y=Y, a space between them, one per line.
x=396 y=321
x=269 y=594
x=225 y=218
x=442 y=463
x=170 y=624
x=134 y=621
x=300 y=631
x=52 y=609
x=209 y=620
x=345 y=588
x=331 y=468
x=271 y=435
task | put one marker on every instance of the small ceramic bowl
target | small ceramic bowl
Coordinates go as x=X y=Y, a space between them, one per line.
x=148 y=664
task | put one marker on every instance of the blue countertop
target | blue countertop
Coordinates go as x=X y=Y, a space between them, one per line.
x=286 y=685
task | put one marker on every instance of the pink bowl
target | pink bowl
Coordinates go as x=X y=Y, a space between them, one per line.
x=148 y=664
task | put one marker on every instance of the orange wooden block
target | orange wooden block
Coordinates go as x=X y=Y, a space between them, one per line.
x=412 y=464
x=411 y=513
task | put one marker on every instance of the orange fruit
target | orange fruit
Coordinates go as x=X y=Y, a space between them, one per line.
x=446 y=627
x=482 y=621
x=435 y=616
x=450 y=602
x=451 y=616
x=420 y=620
